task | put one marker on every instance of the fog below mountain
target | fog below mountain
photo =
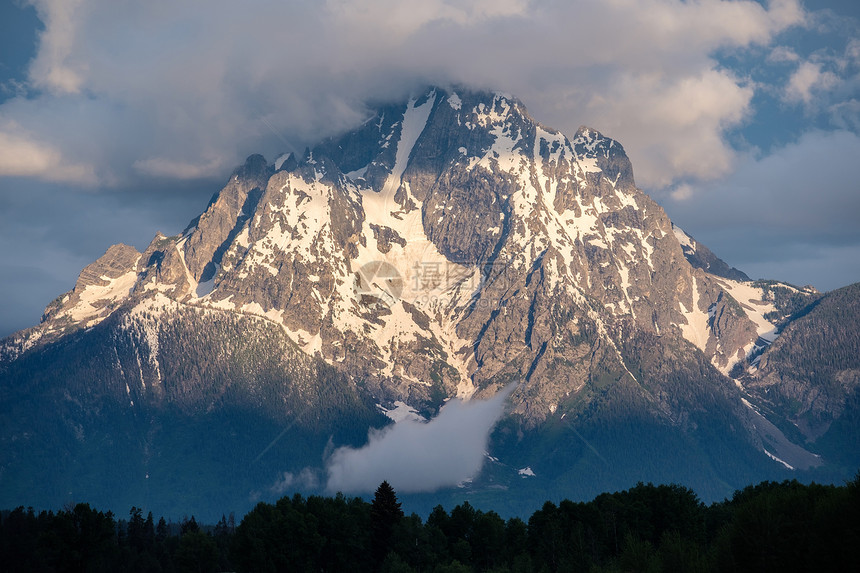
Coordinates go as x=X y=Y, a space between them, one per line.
x=418 y=456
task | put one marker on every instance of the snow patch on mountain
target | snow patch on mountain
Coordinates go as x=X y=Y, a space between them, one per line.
x=97 y=300
x=696 y=330
x=309 y=343
x=455 y=102
x=206 y=287
x=402 y=411
x=751 y=299
x=776 y=459
x=280 y=160
x=306 y=213
x=242 y=238
x=687 y=242
x=501 y=154
x=358 y=173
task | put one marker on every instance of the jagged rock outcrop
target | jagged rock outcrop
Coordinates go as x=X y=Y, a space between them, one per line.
x=218 y=226
x=99 y=290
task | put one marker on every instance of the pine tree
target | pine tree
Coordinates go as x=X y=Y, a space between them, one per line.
x=136 y=529
x=189 y=525
x=161 y=531
x=149 y=532
x=385 y=514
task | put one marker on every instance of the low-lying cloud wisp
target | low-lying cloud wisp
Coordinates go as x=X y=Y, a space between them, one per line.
x=420 y=456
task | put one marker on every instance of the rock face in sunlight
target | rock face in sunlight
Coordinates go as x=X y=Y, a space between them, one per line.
x=447 y=247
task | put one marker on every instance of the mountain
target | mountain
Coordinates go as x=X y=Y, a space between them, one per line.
x=811 y=376
x=447 y=247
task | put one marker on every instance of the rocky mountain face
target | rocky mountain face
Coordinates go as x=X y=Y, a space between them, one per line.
x=447 y=247
x=812 y=374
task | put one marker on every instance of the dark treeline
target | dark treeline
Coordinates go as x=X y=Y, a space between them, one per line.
x=772 y=526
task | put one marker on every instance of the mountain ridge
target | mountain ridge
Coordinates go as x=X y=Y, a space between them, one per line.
x=447 y=247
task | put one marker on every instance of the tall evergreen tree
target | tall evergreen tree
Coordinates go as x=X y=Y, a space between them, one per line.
x=136 y=529
x=149 y=532
x=161 y=531
x=189 y=525
x=385 y=514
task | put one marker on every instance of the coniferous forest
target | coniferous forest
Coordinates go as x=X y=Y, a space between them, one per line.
x=771 y=526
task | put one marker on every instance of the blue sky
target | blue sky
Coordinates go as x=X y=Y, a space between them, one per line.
x=120 y=118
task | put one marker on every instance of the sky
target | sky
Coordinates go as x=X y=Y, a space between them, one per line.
x=120 y=118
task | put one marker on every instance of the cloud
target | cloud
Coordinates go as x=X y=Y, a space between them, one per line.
x=682 y=192
x=399 y=19
x=417 y=456
x=795 y=205
x=782 y=54
x=23 y=156
x=828 y=80
x=56 y=67
x=688 y=116
x=823 y=267
x=170 y=168
x=808 y=79
x=196 y=86
x=286 y=482
x=846 y=114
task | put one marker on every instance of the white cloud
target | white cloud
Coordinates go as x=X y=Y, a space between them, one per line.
x=846 y=114
x=212 y=82
x=673 y=128
x=171 y=168
x=807 y=80
x=852 y=52
x=782 y=54
x=288 y=481
x=420 y=456
x=397 y=19
x=23 y=156
x=57 y=66
x=682 y=192
x=809 y=186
